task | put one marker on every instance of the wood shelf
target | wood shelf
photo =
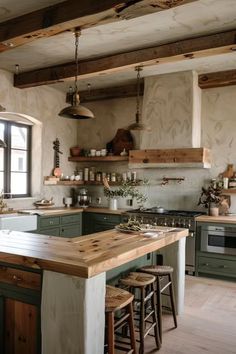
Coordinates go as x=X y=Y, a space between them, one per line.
x=86 y=183
x=113 y=158
x=229 y=191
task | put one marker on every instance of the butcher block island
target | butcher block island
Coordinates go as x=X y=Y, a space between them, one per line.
x=62 y=280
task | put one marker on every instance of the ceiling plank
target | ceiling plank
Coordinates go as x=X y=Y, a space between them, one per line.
x=69 y=14
x=217 y=79
x=109 y=93
x=188 y=49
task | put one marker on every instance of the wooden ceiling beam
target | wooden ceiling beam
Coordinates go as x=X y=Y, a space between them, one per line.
x=217 y=79
x=187 y=49
x=109 y=93
x=69 y=14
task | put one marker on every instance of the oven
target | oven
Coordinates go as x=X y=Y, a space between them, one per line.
x=218 y=239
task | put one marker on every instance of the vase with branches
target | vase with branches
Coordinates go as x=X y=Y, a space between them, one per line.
x=210 y=198
x=126 y=190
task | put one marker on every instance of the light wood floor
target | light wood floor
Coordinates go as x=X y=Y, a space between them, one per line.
x=208 y=324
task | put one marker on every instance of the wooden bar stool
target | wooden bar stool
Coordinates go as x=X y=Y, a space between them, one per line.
x=162 y=272
x=144 y=305
x=119 y=299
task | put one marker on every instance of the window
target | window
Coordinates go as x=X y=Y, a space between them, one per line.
x=15 y=159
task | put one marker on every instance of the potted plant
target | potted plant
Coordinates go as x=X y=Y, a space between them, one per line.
x=127 y=189
x=211 y=198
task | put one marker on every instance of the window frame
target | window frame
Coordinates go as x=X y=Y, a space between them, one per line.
x=7 y=159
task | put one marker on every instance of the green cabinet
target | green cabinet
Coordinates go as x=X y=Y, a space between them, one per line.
x=209 y=263
x=69 y=225
x=20 y=298
x=96 y=222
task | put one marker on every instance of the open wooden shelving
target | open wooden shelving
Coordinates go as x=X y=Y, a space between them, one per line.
x=87 y=183
x=113 y=158
x=229 y=191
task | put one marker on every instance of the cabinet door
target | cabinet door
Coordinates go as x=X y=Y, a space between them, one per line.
x=71 y=231
x=51 y=232
x=20 y=327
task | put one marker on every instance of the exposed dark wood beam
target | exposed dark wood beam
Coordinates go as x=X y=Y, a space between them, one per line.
x=109 y=93
x=75 y=13
x=188 y=49
x=217 y=79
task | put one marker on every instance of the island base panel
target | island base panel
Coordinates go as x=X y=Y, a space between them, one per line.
x=72 y=314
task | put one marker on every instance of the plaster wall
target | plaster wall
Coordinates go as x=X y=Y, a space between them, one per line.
x=43 y=104
x=218 y=128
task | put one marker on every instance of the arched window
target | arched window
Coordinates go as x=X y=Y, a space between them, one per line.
x=15 y=159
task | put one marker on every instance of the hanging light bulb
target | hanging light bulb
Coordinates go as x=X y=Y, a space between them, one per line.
x=138 y=125
x=75 y=110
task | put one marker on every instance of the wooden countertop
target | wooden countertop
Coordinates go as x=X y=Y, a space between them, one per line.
x=83 y=256
x=64 y=210
x=225 y=219
x=104 y=210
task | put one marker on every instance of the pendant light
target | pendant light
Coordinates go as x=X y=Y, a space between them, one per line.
x=75 y=110
x=137 y=125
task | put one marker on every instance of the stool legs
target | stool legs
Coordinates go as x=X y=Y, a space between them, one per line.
x=131 y=327
x=172 y=299
x=141 y=323
x=159 y=307
x=110 y=333
x=155 y=320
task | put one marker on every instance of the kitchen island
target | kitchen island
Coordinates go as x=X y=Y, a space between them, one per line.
x=74 y=278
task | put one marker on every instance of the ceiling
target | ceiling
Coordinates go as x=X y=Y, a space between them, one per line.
x=198 y=18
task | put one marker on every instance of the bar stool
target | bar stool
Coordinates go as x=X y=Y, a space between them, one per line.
x=144 y=283
x=162 y=272
x=119 y=299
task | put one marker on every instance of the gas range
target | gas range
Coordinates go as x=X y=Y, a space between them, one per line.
x=174 y=218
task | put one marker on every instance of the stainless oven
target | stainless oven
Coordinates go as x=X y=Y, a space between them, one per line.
x=219 y=239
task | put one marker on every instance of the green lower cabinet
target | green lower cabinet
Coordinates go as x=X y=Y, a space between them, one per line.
x=216 y=265
x=69 y=225
x=97 y=222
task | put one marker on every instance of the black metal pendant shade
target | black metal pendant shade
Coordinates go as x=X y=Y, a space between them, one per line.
x=2 y=144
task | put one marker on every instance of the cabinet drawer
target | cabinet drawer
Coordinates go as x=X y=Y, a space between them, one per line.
x=70 y=231
x=217 y=266
x=55 y=231
x=20 y=278
x=47 y=222
x=71 y=219
x=106 y=218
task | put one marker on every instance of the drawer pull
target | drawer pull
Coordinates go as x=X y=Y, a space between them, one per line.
x=51 y=222
x=16 y=278
x=206 y=264
x=105 y=218
x=223 y=266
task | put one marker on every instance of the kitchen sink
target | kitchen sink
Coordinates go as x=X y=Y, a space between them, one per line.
x=15 y=222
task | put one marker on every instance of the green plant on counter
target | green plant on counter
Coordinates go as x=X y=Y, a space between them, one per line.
x=127 y=189
x=210 y=195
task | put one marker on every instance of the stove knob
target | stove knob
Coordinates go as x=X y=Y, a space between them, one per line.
x=165 y=222
x=173 y=223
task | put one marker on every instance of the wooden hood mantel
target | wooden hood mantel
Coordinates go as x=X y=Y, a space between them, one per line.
x=164 y=158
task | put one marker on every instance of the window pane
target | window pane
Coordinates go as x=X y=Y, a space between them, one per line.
x=1 y=131
x=18 y=137
x=1 y=181
x=1 y=159
x=18 y=183
x=18 y=160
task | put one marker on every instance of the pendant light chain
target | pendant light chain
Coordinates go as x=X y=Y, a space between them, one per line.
x=77 y=35
x=138 y=69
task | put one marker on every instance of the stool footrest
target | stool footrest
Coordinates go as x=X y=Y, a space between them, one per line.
x=165 y=287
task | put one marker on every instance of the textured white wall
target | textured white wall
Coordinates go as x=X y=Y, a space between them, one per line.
x=42 y=103
x=172 y=128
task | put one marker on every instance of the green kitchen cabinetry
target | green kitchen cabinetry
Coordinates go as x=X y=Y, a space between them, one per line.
x=213 y=264
x=20 y=298
x=96 y=222
x=69 y=225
